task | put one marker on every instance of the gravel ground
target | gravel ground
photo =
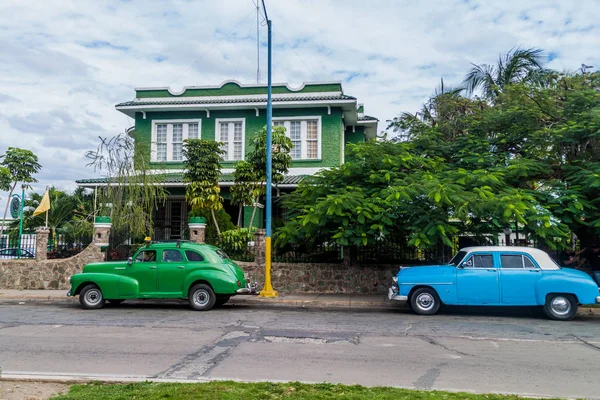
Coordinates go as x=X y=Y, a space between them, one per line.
x=14 y=390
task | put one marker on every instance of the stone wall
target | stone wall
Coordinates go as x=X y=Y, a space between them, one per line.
x=47 y=274
x=323 y=278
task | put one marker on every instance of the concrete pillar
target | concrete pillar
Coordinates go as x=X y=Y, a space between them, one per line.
x=260 y=247
x=197 y=227
x=102 y=227
x=41 y=243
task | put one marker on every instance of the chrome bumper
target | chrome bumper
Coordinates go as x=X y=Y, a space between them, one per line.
x=251 y=288
x=69 y=294
x=598 y=299
x=393 y=295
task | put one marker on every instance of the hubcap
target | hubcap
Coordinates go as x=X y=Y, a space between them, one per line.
x=201 y=298
x=425 y=301
x=93 y=297
x=560 y=305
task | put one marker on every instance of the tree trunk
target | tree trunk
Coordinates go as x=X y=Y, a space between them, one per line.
x=212 y=212
x=6 y=210
x=239 y=223
x=253 y=213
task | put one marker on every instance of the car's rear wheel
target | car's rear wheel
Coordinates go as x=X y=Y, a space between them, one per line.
x=91 y=297
x=425 y=301
x=202 y=297
x=221 y=300
x=561 y=307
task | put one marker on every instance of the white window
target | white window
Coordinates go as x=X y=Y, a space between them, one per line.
x=168 y=137
x=161 y=140
x=305 y=133
x=177 y=141
x=231 y=132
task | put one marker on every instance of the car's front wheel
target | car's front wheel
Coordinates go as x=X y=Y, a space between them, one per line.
x=425 y=301
x=201 y=297
x=91 y=297
x=561 y=307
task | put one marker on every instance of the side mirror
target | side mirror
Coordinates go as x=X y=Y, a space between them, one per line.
x=129 y=261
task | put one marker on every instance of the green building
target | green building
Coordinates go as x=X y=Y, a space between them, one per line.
x=318 y=117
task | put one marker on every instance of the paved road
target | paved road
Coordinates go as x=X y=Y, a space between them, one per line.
x=461 y=349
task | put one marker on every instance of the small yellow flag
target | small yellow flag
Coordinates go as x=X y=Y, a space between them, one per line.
x=44 y=204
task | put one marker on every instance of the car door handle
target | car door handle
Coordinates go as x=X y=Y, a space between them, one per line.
x=491 y=270
x=153 y=267
x=181 y=267
x=534 y=270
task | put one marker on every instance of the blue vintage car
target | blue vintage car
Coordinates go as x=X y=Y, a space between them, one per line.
x=496 y=276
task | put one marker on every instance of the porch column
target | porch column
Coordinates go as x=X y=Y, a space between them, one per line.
x=41 y=243
x=197 y=226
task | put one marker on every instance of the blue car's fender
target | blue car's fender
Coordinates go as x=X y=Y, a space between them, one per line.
x=567 y=281
x=442 y=278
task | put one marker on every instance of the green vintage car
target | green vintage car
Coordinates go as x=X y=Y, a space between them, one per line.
x=201 y=273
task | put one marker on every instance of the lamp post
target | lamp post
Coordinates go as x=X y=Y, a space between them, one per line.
x=507 y=232
x=268 y=288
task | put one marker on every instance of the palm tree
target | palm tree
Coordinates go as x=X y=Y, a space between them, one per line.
x=517 y=65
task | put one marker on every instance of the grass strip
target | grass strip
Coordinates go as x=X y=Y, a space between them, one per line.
x=228 y=390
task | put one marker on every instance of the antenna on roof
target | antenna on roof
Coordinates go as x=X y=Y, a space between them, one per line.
x=257 y=43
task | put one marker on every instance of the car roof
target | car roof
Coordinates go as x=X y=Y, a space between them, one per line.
x=541 y=257
x=182 y=244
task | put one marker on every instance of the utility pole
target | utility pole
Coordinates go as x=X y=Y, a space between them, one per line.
x=268 y=288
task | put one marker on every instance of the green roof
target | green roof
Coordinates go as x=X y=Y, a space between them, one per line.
x=178 y=178
x=236 y=100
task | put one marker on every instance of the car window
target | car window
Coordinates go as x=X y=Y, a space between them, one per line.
x=146 y=256
x=457 y=258
x=193 y=256
x=480 y=261
x=528 y=263
x=511 y=260
x=171 y=256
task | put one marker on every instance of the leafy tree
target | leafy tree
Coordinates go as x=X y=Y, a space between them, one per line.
x=133 y=191
x=70 y=214
x=530 y=159
x=17 y=165
x=515 y=66
x=246 y=188
x=281 y=160
x=202 y=173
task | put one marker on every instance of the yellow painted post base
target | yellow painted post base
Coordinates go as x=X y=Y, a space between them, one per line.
x=268 y=289
x=268 y=293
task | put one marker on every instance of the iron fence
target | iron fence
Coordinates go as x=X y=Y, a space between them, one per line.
x=60 y=246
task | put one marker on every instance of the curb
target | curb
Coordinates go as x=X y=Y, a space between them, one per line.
x=267 y=303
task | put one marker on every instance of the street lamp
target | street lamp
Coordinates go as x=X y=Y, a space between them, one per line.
x=507 y=232
x=268 y=288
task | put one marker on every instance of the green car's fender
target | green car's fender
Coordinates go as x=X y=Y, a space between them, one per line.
x=222 y=282
x=108 y=283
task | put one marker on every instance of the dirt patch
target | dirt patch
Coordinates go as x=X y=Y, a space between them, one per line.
x=14 y=390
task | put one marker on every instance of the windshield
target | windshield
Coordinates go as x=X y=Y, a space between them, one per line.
x=457 y=258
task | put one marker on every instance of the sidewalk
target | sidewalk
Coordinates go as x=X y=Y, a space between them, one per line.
x=305 y=300
x=354 y=301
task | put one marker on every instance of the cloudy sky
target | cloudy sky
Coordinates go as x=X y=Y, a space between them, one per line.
x=65 y=64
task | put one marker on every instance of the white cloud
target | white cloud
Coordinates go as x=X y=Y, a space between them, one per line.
x=65 y=64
